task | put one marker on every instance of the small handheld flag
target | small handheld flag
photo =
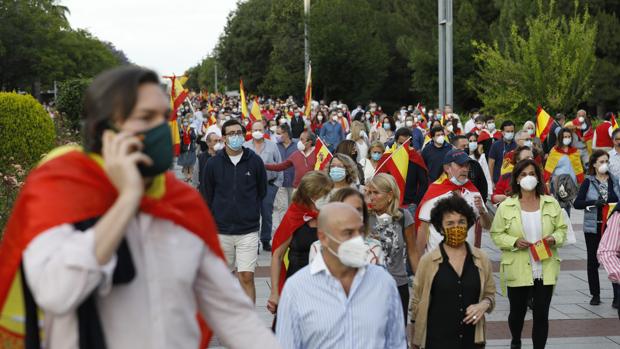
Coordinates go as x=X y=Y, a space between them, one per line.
x=540 y=250
x=323 y=155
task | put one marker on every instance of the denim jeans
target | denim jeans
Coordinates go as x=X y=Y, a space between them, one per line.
x=266 y=213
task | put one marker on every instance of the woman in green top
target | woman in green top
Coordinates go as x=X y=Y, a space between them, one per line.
x=528 y=217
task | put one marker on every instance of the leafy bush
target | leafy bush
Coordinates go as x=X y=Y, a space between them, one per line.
x=26 y=130
x=70 y=98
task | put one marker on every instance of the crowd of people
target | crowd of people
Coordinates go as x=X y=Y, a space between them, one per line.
x=358 y=258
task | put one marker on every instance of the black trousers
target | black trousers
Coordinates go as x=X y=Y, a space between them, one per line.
x=403 y=291
x=617 y=295
x=518 y=296
x=592 y=242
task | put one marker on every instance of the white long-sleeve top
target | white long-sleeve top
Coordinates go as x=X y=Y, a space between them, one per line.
x=176 y=275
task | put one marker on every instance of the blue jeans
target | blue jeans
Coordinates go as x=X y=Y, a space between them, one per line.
x=266 y=213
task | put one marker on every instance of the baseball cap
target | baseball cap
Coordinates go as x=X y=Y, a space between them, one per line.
x=456 y=155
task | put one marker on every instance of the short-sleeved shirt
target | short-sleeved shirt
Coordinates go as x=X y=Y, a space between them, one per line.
x=392 y=238
x=497 y=152
x=425 y=215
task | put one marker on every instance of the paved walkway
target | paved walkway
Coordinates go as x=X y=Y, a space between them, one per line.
x=574 y=323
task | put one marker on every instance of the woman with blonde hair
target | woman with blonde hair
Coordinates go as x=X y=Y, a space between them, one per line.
x=342 y=171
x=370 y=163
x=359 y=136
x=297 y=231
x=393 y=227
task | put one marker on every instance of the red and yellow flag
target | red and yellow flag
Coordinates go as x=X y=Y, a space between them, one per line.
x=395 y=161
x=255 y=114
x=575 y=160
x=323 y=155
x=244 y=103
x=606 y=212
x=178 y=94
x=614 y=123
x=543 y=123
x=540 y=250
x=308 y=95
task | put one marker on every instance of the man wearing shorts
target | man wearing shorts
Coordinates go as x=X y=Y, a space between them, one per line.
x=236 y=183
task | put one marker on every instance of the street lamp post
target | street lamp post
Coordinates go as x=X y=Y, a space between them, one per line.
x=444 y=17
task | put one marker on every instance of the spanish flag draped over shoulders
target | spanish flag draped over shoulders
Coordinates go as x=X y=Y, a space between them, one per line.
x=575 y=160
x=441 y=186
x=70 y=186
x=296 y=216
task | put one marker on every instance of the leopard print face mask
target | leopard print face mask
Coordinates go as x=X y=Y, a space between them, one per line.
x=455 y=236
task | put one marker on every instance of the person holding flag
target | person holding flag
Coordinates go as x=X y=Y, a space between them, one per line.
x=297 y=232
x=101 y=237
x=597 y=195
x=454 y=181
x=602 y=134
x=528 y=228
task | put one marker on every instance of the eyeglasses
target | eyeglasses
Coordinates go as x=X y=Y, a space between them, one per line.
x=236 y=133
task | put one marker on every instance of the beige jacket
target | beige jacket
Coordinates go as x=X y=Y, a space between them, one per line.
x=427 y=268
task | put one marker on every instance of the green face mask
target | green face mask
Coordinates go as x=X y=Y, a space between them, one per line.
x=157 y=146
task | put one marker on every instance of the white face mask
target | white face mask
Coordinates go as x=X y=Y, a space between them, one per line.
x=218 y=146
x=491 y=126
x=581 y=119
x=450 y=128
x=566 y=141
x=320 y=202
x=320 y=117
x=257 y=135
x=352 y=253
x=440 y=139
x=273 y=129
x=301 y=146
x=603 y=168
x=509 y=136
x=335 y=118
x=528 y=183
x=528 y=143
x=409 y=123
x=473 y=146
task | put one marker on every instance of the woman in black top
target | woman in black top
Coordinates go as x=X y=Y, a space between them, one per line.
x=453 y=286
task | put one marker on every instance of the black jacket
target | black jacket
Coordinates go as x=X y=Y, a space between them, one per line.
x=478 y=179
x=234 y=193
x=297 y=126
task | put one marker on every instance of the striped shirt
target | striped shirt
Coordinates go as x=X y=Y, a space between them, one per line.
x=315 y=312
x=609 y=248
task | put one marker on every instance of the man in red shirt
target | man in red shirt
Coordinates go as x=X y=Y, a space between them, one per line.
x=303 y=160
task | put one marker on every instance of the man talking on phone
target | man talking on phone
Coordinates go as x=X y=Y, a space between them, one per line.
x=115 y=251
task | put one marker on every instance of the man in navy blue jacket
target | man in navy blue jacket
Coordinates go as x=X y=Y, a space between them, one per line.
x=236 y=183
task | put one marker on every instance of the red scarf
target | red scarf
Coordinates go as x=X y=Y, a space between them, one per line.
x=295 y=217
x=72 y=188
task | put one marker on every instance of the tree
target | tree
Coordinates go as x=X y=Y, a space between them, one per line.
x=551 y=65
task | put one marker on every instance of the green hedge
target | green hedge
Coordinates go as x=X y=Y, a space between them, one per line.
x=26 y=130
x=71 y=98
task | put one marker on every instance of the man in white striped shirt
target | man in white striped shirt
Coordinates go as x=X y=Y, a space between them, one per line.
x=338 y=301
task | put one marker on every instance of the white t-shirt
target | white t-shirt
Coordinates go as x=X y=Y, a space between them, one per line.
x=235 y=158
x=532 y=229
x=425 y=215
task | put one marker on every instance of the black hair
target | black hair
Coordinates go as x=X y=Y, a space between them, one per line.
x=402 y=132
x=506 y=123
x=519 y=167
x=594 y=158
x=615 y=133
x=111 y=97
x=559 y=140
x=435 y=130
x=480 y=118
x=452 y=204
x=229 y=123
x=286 y=129
x=457 y=138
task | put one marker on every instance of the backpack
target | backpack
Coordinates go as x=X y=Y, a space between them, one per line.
x=565 y=190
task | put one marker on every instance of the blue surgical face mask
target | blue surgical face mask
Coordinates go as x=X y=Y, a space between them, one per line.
x=375 y=156
x=386 y=126
x=337 y=174
x=235 y=142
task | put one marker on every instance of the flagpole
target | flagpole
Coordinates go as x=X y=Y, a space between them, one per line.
x=389 y=157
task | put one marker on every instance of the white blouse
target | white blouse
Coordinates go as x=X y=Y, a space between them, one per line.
x=532 y=229
x=176 y=275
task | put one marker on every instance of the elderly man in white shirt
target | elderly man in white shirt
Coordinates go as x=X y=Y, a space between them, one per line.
x=338 y=301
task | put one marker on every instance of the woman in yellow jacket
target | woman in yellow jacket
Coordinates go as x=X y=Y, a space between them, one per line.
x=528 y=228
